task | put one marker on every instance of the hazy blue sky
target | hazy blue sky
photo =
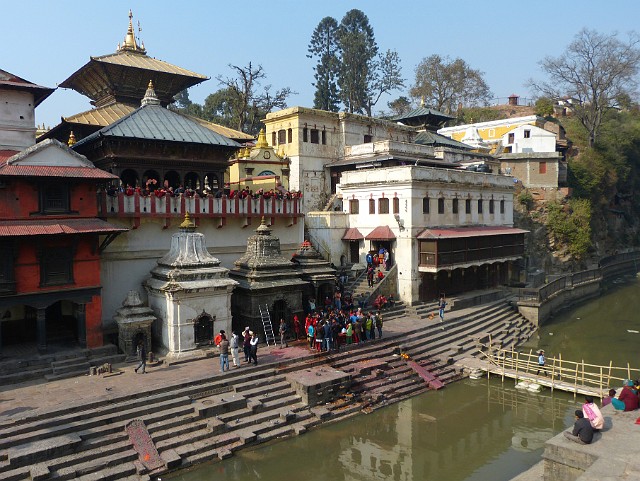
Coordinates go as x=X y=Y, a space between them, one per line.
x=46 y=41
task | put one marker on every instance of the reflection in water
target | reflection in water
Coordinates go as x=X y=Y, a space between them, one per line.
x=470 y=431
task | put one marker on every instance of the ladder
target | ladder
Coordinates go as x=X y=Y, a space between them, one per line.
x=266 y=324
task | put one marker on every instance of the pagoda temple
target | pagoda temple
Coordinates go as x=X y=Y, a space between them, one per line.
x=116 y=83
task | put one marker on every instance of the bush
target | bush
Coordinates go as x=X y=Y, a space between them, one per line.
x=571 y=225
x=525 y=199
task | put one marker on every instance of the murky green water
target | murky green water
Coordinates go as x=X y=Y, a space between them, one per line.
x=470 y=431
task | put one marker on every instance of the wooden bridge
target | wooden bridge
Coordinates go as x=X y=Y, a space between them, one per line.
x=571 y=376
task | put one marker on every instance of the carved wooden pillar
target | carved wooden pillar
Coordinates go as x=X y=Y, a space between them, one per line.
x=81 y=319
x=41 y=329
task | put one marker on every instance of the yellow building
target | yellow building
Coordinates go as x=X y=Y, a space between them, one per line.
x=258 y=167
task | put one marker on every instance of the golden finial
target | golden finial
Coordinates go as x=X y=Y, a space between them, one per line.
x=422 y=101
x=72 y=139
x=130 y=38
x=187 y=223
x=262 y=140
x=150 y=96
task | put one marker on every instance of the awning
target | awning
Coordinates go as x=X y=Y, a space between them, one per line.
x=352 y=234
x=21 y=228
x=461 y=232
x=381 y=233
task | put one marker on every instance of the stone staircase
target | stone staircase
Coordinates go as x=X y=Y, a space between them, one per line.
x=209 y=418
x=57 y=365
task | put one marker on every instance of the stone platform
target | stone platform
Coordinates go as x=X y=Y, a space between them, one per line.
x=319 y=385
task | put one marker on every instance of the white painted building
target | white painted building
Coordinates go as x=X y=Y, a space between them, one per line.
x=528 y=139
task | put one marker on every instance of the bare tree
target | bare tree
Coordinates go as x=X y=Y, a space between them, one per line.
x=444 y=83
x=386 y=76
x=596 y=71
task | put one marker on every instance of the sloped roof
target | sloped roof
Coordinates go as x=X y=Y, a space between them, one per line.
x=21 y=228
x=380 y=233
x=352 y=233
x=141 y=61
x=101 y=116
x=434 y=139
x=422 y=116
x=452 y=233
x=13 y=82
x=64 y=162
x=154 y=122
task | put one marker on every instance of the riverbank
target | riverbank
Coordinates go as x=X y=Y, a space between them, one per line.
x=193 y=413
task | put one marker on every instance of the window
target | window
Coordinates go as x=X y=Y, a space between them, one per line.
x=56 y=266
x=273 y=138
x=396 y=205
x=324 y=137
x=354 y=206
x=305 y=135
x=368 y=139
x=54 y=198
x=290 y=135
x=479 y=206
x=527 y=134
x=511 y=139
x=441 y=205
x=491 y=206
x=282 y=136
x=425 y=205
x=492 y=133
x=467 y=206
x=454 y=206
x=502 y=206
x=315 y=138
x=7 y=281
x=372 y=206
x=383 y=205
x=542 y=168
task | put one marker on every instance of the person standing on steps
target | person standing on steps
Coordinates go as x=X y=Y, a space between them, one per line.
x=223 y=348
x=246 y=344
x=142 y=357
x=379 y=324
x=254 y=348
x=234 y=344
x=441 y=305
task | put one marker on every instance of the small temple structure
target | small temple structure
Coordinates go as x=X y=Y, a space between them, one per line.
x=316 y=271
x=266 y=280
x=134 y=321
x=190 y=294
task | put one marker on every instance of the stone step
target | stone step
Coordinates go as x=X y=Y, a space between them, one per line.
x=186 y=427
x=112 y=472
x=280 y=402
x=70 y=361
x=84 y=456
x=16 y=474
x=25 y=375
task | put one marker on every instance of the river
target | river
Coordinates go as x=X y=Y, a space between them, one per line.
x=472 y=430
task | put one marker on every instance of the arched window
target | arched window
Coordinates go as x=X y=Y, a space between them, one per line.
x=502 y=206
x=396 y=205
x=441 y=205
x=372 y=206
x=192 y=180
x=454 y=206
x=425 y=205
x=354 y=206
x=172 y=178
x=383 y=205
x=266 y=172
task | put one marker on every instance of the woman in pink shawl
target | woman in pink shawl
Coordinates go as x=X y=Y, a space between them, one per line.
x=592 y=413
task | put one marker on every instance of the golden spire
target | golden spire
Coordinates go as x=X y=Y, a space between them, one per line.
x=150 y=97
x=422 y=101
x=262 y=140
x=130 y=38
x=72 y=139
x=187 y=223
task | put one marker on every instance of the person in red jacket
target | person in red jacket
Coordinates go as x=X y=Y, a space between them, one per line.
x=628 y=398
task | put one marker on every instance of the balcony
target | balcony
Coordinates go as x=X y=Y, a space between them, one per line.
x=137 y=207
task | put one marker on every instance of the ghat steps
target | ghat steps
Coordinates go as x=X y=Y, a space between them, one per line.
x=209 y=418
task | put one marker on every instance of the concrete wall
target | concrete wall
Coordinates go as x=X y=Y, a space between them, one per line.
x=17 y=120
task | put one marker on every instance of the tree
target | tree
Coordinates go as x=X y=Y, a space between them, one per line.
x=244 y=105
x=444 y=83
x=400 y=106
x=595 y=70
x=544 y=107
x=386 y=75
x=324 y=47
x=359 y=49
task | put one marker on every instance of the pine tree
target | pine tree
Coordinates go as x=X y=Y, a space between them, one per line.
x=324 y=47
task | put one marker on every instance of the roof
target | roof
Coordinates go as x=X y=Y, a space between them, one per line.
x=13 y=82
x=20 y=228
x=459 y=232
x=352 y=234
x=421 y=112
x=51 y=158
x=5 y=154
x=154 y=122
x=101 y=116
x=431 y=138
x=141 y=61
x=380 y=233
x=236 y=135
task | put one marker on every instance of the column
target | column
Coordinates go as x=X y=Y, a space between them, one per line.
x=81 y=319
x=41 y=329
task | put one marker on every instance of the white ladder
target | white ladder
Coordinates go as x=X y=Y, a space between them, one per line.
x=266 y=324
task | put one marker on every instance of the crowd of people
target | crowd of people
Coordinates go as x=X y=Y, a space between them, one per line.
x=151 y=188
x=329 y=329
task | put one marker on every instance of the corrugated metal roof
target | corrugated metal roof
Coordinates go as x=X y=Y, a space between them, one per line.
x=352 y=233
x=380 y=233
x=102 y=116
x=11 y=81
x=21 y=228
x=222 y=130
x=137 y=60
x=154 y=122
x=431 y=138
x=468 y=232
x=422 y=112
x=55 y=171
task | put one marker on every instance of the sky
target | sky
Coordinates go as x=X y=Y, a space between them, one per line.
x=46 y=41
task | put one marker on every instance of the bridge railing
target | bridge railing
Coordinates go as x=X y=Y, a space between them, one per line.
x=575 y=376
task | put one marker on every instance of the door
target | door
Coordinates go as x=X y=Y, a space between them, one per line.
x=354 y=251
